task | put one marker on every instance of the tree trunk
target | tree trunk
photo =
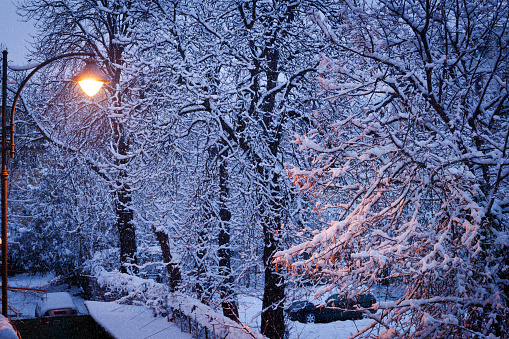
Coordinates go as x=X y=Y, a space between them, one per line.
x=229 y=305
x=125 y=226
x=126 y=231
x=202 y=284
x=273 y=322
x=172 y=268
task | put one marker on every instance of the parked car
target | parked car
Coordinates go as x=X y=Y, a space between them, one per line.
x=335 y=308
x=6 y=329
x=362 y=300
x=301 y=311
x=55 y=304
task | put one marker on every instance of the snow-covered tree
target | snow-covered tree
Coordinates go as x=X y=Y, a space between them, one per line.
x=258 y=63
x=408 y=164
x=48 y=231
x=102 y=131
x=238 y=71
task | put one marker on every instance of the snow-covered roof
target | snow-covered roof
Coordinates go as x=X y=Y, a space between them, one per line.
x=132 y=322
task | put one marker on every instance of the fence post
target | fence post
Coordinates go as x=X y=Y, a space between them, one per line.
x=180 y=317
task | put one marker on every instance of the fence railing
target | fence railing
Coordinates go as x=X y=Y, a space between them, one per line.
x=202 y=322
x=189 y=325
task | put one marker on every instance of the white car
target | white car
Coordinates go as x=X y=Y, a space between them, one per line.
x=55 y=305
x=6 y=329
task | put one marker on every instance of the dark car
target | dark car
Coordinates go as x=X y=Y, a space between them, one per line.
x=302 y=311
x=362 y=300
x=335 y=308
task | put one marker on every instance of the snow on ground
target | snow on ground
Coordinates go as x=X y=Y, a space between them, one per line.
x=122 y=321
x=24 y=301
x=128 y=321
x=250 y=312
x=336 y=329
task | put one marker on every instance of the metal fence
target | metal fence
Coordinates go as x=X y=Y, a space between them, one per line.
x=189 y=325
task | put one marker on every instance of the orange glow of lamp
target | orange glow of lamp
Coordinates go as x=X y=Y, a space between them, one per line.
x=91 y=78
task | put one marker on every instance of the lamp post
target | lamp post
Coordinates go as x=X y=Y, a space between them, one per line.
x=90 y=79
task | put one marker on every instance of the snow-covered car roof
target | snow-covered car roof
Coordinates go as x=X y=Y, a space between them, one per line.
x=6 y=329
x=54 y=301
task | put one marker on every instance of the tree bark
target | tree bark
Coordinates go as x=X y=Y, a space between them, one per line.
x=125 y=216
x=229 y=305
x=125 y=226
x=273 y=322
x=172 y=268
x=126 y=231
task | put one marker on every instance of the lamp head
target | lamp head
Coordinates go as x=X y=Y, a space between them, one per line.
x=91 y=78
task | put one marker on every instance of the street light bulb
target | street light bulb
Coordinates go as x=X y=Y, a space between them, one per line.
x=90 y=86
x=91 y=78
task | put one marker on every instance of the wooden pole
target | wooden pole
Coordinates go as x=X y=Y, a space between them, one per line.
x=4 y=175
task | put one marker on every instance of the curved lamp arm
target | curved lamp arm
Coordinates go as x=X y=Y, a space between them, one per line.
x=23 y=83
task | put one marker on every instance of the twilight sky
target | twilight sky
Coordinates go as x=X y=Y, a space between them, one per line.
x=14 y=33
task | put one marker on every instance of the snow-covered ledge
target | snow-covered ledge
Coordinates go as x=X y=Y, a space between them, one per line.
x=129 y=321
x=158 y=296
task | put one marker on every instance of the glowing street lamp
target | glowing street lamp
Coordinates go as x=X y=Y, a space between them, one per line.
x=91 y=78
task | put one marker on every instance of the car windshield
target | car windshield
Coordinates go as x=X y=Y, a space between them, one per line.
x=297 y=305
